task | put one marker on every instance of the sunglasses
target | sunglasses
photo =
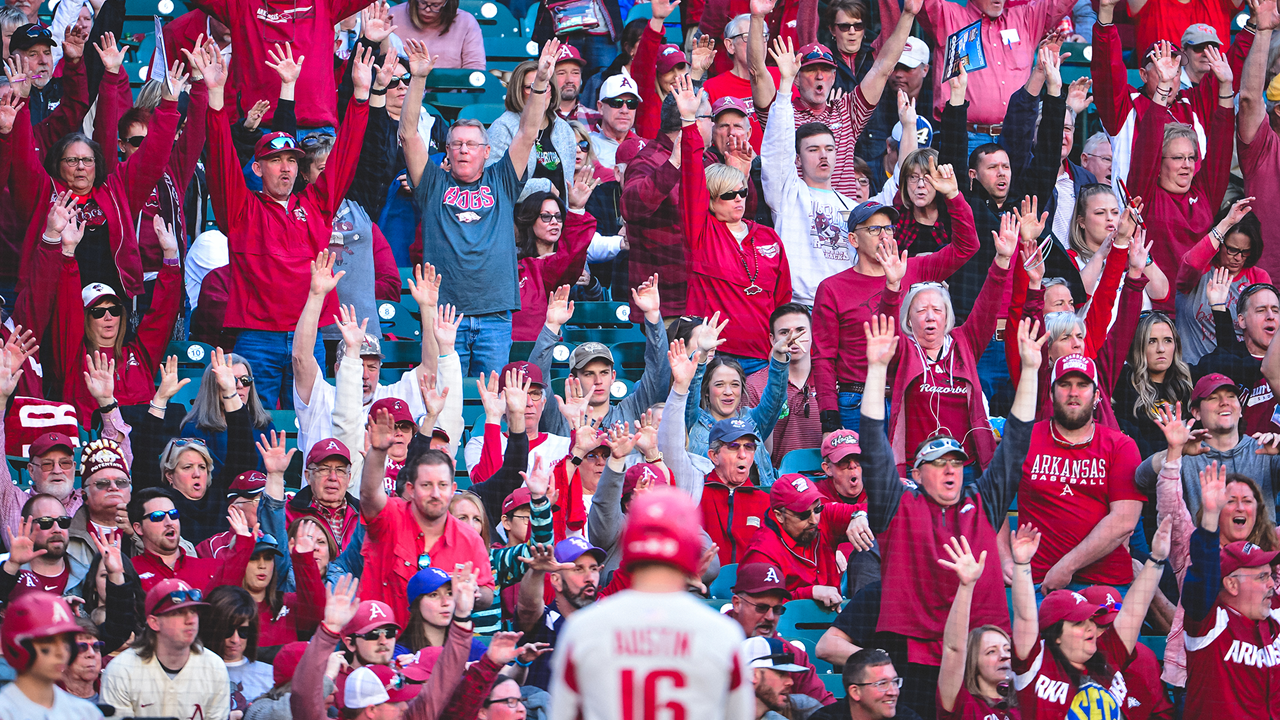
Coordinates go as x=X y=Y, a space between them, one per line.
x=244 y=381
x=177 y=597
x=584 y=145
x=136 y=140
x=846 y=27
x=734 y=194
x=39 y=31
x=100 y=312
x=246 y=632
x=763 y=608
x=802 y=516
x=379 y=633
x=117 y=483
x=398 y=79
x=158 y=515
x=817 y=55
x=283 y=142
x=616 y=103
x=551 y=217
x=85 y=647
x=46 y=522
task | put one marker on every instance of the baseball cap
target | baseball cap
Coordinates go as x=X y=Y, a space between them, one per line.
x=795 y=492
x=531 y=371
x=729 y=102
x=731 y=429
x=816 y=54
x=327 y=448
x=397 y=408
x=588 y=351
x=1074 y=363
x=569 y=53
x=628 y=150
x=374 y=685
x=427 y=580
x=840 y=445
x=286 y=661
x=772 y=653
x=102 y=454
x=1175 y=50
x=371 y=614
x=48 y=441
x=939 y=447
x=370 y=346
x=860 y=214
x=572 y=548
x=1209 y=384
x=1244 y=554
x=1065 y=605
x=172 y=594
x=760 y=578
x=266 y=543
x=617 y=86
x=518 y=498
x=915 y=53
x=1199 y=34
x=249 y=483
x=1108 y=601
x=93 y=292
x=664 y=527
x=30 y=35
x=640 y=471
x=440 y=432
x=670 y=57
x=924 y=132
x=424 y=661
x=276 y=143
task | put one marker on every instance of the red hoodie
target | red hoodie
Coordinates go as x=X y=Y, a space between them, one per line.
x=540 y=276
x=804 y=567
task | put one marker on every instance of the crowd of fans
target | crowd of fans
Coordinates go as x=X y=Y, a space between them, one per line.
x=986 y=396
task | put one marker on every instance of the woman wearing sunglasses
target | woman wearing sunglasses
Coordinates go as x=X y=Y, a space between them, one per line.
x=207 y=421
x=552 y=245
x=84 y=672
x=554 y=156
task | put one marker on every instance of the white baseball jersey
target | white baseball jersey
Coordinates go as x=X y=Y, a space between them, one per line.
x=650 y=656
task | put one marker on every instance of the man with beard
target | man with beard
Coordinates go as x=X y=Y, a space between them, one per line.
x=416 y=530
x=156 y=521
x=772 y=663
x=568 y=79
x=38 y=557
x=574 y=566
x=369 y=637
x=1077 y=484
x=107 y=491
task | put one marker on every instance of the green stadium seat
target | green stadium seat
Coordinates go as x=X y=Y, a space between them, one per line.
x=806 y=620
x=834 y=683
x=822 y=667
x=455 y=88
x=628 y=360
x=600 y=314
x=486 y=113
x=505 y=53
x=520 y=351
x=672 y=23
x=621 y=388
x=575 y=336
x=1081 y=53
x=398 y=320
x=495 y=18
x=802 y=460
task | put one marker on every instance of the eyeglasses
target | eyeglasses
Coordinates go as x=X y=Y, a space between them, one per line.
x=876 y=231
x=617 y=103
x=512 y=702
x=323 y=471
x=846 y=27
x=432 y=7
x=551 y=217
x=136 y=140
x=396 y=80
x=100 y=312
x=947 y=462
x=862 y=181
x=159 y=515
x=882 y=685
x=49 y=465
x=244 y=381
x=764 y=608
x=284 y=142
x=470 y=146
x=815 y=510
x=1181 y=159
x=117 y=483
x=85 y=647
x=535 y=393
x=1234 y=251
x=379 y=633
x=46 y=522
x=736 y=446
x=1256 y=577
x=742 y=193
x=584 y=145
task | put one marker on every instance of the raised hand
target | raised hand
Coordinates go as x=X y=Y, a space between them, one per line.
x=739 y=154
x=362 y=71
x=424 y=286
x=503 y=647
x=22 y=549
x=546 y=63
x=110 y=552
x=574 y=403
x=306 y=538
x=683 y=368
x=706 y=337
x=353 y=332
x=175 y=81
x=387 y=70
x=1006 y=241
x=341 y=603
x=18 y=70
x=1024 y=543
x=943 y=179
x=647 y=434
x=559 y=307
x=538 y=480
x=446 y=330
x=1139 y=251
x=1213 y=492
x=381 y=429
x=1268 y=443
x=164 y=234
x=703 y=55
x=1219 y=66
x=662 y=9
x=1029 y=226
x=282 y=61
x=73 y=40
x=621 y=441
x=687 y=101
x=1238 y=210
x=1078 y=95
x=1264 y=14
x=170 y=383
x=464 y=591
x=211 y=66
x=516 y=391
x=907 y=111
x=64 y=208
x=762 y=8
x=221 y=369
x=431 y=398
x=959 y=85
x=1218 y=289
x=1033 y=263
x=646 y=296
x=420 y=60
x=782 y=346
x=239 y=524
x=542 y=558
x=100 y=377
x=784 y=54
x=375 y=22
x=1176 y=431
x=275 y=458
x=112 y=55
x=962 y=562
x=494 y=403
x=1052 y=64
x=882 y=343
x=253 y=118
x=10 y=105
x=1166 y=65
x=584 y=183
x=1029 y=348
x=323 y=279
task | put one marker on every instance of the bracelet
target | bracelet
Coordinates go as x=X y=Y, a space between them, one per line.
x=51 y=240
x=859 y=514
x=523 y=664
x=688 y=120
x=1158 y=562
x=228 y=397
x=161 y=408
x=536 y=91
x=383 y=91
x=1025 y=564
x=1232 y=96
x=171 y=262
x=1219 y=305
x=1214 y=232
x=654 y=461
x=108 y=408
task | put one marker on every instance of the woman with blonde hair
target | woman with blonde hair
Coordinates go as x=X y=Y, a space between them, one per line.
x=555 y=154
x=975 y=678
x=207 y=422
x=452 y=34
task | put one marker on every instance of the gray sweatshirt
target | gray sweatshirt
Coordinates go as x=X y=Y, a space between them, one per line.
x=1264 y=469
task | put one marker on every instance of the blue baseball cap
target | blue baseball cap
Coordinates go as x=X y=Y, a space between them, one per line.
x=859 y=215
x=732 y=429
x=924 y=132
x=571 y=548
x=427 y=580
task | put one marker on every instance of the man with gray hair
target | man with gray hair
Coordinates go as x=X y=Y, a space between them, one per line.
x=1095 y=156
x=737 y=82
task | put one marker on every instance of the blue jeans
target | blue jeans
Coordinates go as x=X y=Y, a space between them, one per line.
x=484 y=343
x=851 y=411
x=749 y=365
x=270 y=355
x=993 y=369
x=598 y=51
x=976 y=139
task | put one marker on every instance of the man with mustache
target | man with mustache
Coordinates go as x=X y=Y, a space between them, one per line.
x=568 y=79
x=574 y=567
x=38 y=557
x=107 y=491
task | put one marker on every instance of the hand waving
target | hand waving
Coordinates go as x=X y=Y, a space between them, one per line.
x=962 y=561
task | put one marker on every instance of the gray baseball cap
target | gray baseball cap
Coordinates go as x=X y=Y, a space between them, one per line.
x=588 y=351
x=369 y=347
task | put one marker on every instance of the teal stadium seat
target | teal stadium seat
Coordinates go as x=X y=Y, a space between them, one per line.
x=802 y=460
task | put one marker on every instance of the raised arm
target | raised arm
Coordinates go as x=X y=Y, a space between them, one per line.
x=334 y=181
x=778 y=149
x=1128 y=623
x=872 y=85
x=955 y=634
x=763 y=90
x=1111 y=89
x=1148 y=144
x=1252 y=110
x=672 y=432
x=415 y=146
x=535 y=109
x=1215 y=171
x=879 y=468
x=1026 y=622
x=656 y=380
x=372 y=497
x=227 y=190
x=305 y=368
x=529 y=605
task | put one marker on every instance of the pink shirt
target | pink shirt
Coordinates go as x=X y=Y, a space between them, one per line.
x=461 y=47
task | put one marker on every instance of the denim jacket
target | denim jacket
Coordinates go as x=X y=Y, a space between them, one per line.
x=765 y=416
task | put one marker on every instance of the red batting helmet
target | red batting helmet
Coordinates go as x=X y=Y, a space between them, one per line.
x=34 y=615
x=663 y=526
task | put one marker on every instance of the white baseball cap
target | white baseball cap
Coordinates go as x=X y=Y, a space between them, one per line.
x=619 y=85
x=93 y=292
x=915 y=54
x=363 y=689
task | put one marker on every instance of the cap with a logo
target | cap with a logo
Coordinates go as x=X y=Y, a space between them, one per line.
x=569 y=53
x=371 y=614
x=924 y=132
x=397 y=408
x=939 y=447
x=374 y=685
x=327 y=448
x=643 y=471
x=93 y=292
x=1074 y=363
x=760 y=579
x=426 y=581
x=794 y=492
x=731 y=429
x=531 y=371
x=1199 y=34
x=1243 y=554
x=1148 y=56
x=670 y=57
x=370 y=346
x=663 y=527
x=863 y=212
x=840 y=445
x=1209 y=384
x=571 y=548
x=276 y=143
x=619 y=85
x=172 y=594
x=628 y=150
x=267 y=543
x=729 y=102
x=816 y=54
x=914 y=54
x=30 y=35
x=102 y=454
x=517 y=499
x=1107 y=601
x=587 y=352
x=48 y=441
x=249 y=483
x=772 y=653
x=1066 y=605
x=418 y=669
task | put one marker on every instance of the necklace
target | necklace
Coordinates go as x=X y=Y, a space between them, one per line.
x=753 y=288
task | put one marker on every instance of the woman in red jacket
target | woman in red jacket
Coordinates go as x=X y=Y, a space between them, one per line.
x=285 y=617
x=737 y=267
x=552 y=246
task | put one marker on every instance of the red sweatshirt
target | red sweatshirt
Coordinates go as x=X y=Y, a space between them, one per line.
x=301 y=612
x=540 y=276
x=731 y=516
x=272 y=246
x=204 y=573
x=743 y=280
x=803 y=567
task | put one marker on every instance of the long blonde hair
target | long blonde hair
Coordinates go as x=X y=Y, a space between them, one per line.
x=1178 y=376
x=1076 y=233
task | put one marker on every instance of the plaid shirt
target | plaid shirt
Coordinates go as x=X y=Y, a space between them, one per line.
x=584 y=115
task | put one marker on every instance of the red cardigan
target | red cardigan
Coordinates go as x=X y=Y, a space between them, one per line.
x=539 y=276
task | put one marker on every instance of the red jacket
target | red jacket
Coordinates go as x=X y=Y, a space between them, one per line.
x=655 y=229
x=271 y=246
x=203 y=573
x=803 y=567
x=208 y=322
x=301 y=612
x=540 y=276
x=744 y=281
x=731 y=516
x=644 y=70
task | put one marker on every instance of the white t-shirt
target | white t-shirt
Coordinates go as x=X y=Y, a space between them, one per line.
x=315 y=420
x=14 y=705
x=551 y=449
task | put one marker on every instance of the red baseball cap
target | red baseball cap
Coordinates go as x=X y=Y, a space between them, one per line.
x=840 y=445
x=286 y=662
x=670 y=57
x=816 y=54
x=1209 y=384
x=424 y=661
x=1243 y=554
x=247 y=484
x=518 y=498
x=1108 y=600
x=628 y=150
x=172 y=594
x=1074 y=363
x=729 y=102
x=371 y=614
x=276 y=143
x=1065 y=605
x=640 y=471
x=760 y=578
x=569 y=53
x=327 y=448
x=531 y=371
x=48 y=441
x=794 y=492
x=398 y=409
